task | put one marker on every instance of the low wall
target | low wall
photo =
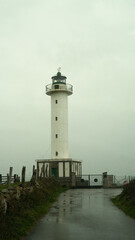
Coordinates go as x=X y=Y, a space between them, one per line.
x=21 y=206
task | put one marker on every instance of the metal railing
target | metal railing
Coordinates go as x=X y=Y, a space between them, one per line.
x=66 y=87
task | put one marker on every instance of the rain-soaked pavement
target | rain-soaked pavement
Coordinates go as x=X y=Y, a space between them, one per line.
x=85 y=214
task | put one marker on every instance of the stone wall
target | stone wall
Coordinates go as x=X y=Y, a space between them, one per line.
x=12 y=196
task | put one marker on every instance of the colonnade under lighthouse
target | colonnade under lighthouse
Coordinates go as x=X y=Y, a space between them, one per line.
x=65 y=169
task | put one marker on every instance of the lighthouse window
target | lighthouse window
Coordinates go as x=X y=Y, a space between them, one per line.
x=56 y=86
x=56 y=153
x=56 y=118
x=56 y=135
x=56 y=101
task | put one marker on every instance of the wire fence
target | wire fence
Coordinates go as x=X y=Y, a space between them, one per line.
x=5 y=179
x=123 y=180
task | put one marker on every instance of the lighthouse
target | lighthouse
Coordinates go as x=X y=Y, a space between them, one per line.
x=59 y=91
x=66 y=170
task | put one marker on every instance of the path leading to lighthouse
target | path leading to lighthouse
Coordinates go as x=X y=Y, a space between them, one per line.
x=86 y=214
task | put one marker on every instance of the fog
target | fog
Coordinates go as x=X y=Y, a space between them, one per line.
x=93 y=41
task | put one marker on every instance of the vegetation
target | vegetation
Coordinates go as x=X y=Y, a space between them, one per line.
x=5 y=186
x=126 y=200
x=24 y=212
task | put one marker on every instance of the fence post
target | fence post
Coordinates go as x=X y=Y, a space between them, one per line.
x=9 y=177
x=23 y=175
x=34 y=175
x=43 y=170
x=46 y=171
x=89 y=180
x=0 y=178
x=33 y=169
x=14 y=178
x=37 y=170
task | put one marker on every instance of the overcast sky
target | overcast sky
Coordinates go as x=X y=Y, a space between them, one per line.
x=93 y=41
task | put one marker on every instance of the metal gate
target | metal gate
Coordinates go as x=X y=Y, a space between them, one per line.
x=96 y=180
x=91 y=180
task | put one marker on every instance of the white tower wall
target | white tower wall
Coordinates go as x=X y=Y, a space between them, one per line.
x=59 y=125
x=59 y=91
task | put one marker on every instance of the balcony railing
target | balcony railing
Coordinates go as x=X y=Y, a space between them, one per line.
x=52 y=87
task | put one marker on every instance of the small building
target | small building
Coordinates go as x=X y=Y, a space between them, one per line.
x=64 y=170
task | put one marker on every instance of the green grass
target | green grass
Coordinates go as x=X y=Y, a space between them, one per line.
x=22 y=215
x=5 y=186
x=126 y=204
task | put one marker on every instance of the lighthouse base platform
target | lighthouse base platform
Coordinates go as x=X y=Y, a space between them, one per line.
x=66 y=170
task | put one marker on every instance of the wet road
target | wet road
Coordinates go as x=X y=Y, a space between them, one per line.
x=85 y=214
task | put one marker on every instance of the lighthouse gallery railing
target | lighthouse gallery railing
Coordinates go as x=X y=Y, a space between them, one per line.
x=67 y=87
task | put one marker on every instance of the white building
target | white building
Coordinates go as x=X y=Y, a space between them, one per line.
x=60 y=165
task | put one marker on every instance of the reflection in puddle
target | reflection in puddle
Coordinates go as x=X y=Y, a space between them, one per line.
x=64 y=206
x=85 y=214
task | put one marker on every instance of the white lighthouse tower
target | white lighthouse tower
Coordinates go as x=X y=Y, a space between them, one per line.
x=59 y=91
x=65 y=169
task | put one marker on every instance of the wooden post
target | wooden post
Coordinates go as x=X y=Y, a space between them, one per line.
x=43 y=170
x=34 y=175
x=89 y=180
x=23 y=175
x=46 y=170
x=33 y=169
x=37 y=170
x=9 y=177
x=15 y=178
x=0 y=178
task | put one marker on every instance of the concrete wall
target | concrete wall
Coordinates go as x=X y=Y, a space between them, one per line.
x=108 y=181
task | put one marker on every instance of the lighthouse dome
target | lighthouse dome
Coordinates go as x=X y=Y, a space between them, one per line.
x=59 y=79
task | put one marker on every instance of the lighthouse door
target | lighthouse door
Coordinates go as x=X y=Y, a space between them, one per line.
x=55 y=172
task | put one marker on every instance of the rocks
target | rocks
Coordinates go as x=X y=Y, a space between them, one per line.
x=18 y=193
x=5 y=191
x=13 y=194
x=3 y=203
x=10 y=197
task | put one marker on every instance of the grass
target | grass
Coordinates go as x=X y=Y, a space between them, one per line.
x=126 y=202
x=5 y=186
x=22 y=215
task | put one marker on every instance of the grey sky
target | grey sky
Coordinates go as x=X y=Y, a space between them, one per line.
x=94 y=43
